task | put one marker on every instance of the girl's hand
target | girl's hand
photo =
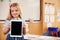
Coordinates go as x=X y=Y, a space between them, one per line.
x=9 y=26
x=24 y=29
x=6 y=29
x=24 y=25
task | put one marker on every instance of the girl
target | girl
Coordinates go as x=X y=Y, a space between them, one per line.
x=14 y=14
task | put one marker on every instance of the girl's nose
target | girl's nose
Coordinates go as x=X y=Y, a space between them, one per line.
x=14 y=11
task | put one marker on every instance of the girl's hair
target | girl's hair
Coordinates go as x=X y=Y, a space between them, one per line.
x=13 y=5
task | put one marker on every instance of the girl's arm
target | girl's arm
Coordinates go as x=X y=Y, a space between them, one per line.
x=6 y=29
x=24 y=29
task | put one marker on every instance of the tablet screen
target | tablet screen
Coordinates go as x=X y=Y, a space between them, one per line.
x=16 y=28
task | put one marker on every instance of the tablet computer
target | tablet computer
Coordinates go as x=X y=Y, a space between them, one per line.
x=16 y=28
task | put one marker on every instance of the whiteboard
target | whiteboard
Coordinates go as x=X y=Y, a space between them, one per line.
x=4 y=9
x=30 y=9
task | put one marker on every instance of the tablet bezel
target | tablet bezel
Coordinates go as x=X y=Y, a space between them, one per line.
x=21 y=29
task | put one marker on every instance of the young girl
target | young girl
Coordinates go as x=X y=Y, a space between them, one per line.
x=14 y=14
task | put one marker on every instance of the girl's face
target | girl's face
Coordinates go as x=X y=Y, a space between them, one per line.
x=15 y=12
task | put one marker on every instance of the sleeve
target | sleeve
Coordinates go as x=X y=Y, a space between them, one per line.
x=6 y=23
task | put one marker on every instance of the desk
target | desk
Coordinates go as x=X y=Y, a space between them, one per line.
x=37 y=37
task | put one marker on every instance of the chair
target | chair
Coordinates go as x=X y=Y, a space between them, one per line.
x=54 y=31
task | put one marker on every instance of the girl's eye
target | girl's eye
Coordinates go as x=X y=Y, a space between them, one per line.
x=12 y=10
x=16 y=10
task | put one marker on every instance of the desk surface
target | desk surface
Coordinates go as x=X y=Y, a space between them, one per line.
x=37 y=37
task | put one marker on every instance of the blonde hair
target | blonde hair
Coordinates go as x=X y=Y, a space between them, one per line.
x=9 y=17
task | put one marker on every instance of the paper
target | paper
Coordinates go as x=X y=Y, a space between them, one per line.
x=46 y=9
x=51 y=9
x=46 y=18
x=52 y=18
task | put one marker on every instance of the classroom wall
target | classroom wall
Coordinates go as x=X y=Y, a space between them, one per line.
x=35 y=28
x=56 y=22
